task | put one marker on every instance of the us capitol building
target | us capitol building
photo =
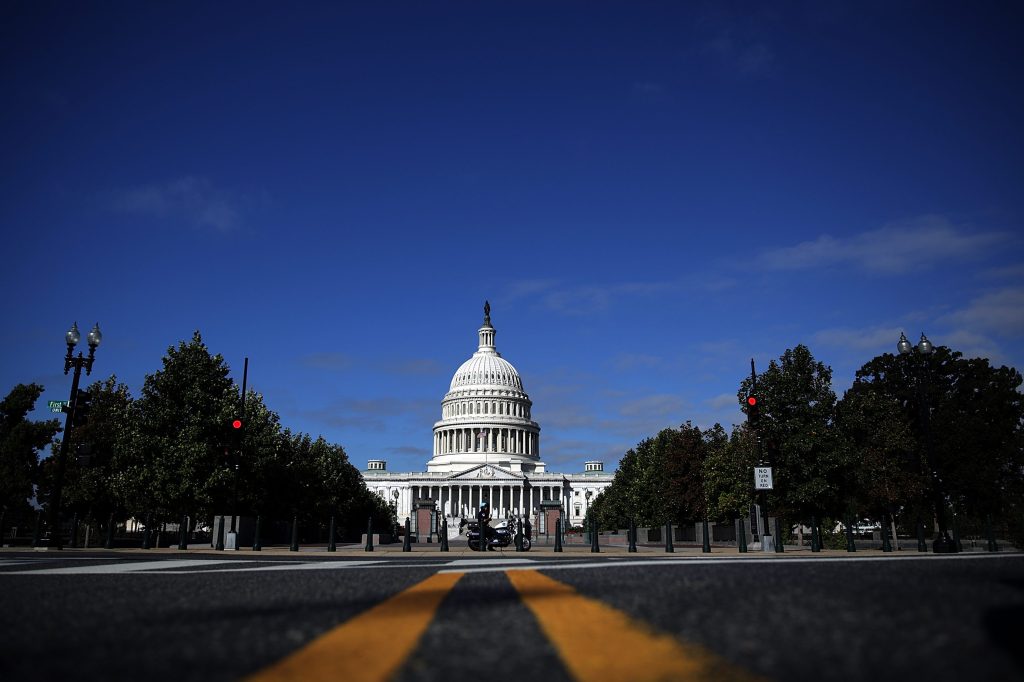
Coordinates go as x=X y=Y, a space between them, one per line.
x=487 y=446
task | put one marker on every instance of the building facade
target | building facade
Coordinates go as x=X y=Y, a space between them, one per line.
x=486 y=446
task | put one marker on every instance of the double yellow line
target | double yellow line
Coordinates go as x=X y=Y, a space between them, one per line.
x=374 y=645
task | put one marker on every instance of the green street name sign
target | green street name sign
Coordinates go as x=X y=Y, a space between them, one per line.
x=57 y=405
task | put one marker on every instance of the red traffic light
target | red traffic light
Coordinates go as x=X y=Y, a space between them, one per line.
x=236 y=424
x=752 y=400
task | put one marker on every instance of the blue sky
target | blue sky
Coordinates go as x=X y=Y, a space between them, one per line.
x=649 y=194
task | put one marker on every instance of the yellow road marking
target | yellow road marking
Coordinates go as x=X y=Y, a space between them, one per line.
x=370 y=646
x=598 y=642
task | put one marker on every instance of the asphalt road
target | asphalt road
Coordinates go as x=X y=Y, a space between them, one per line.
x=172 y=616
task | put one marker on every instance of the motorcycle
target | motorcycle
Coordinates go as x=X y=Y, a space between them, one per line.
x=503 y=535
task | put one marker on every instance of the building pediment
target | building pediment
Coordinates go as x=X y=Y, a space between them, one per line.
x=486 y=472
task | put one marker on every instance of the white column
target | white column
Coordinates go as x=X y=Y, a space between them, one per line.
x=501 y=496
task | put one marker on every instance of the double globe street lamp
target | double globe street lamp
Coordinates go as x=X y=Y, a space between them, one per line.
x=918 y=357
x=72 y=337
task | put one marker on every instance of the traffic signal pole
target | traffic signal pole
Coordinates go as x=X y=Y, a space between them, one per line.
x=754 y=422
x=237 y=453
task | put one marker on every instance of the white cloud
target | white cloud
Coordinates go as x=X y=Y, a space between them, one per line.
x=974 y=345
x=723 y=401
x=332 y=361
x=658 y=405
x=869 y=338
x=629 y=361
x=999 y=312
x=895 y=248
x=583 y=299
x=189 y=199
x=747 y=57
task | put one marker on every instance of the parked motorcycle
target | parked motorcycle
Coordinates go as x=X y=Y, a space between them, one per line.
x=504 y=534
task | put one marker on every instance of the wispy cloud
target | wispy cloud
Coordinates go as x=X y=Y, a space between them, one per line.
x=331 y=361
x=745 y=56
x=370 y=414
x=402 y=450
x=722 y=401
x=414 y=367
x=999 y=312
x=625 y=362
x=191 y=200
x=869 y=338
x=583 y=299
x=658 y=405
x=895 y=248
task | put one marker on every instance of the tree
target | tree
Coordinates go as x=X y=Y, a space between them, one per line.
x=729 y=474
x=797 y=407
x=968 y=413
x=659 y=480
x=21 y=441
x=180 y=467
x=95 y=481
x=885 y=472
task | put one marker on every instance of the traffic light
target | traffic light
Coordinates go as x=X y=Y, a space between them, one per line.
x=235 y=431
x=82 y=408
x=753 y=410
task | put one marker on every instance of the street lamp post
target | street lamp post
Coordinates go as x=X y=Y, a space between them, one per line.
x=943 y=544
x=72 y=337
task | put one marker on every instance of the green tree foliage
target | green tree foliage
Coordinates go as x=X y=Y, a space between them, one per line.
x=179 y=465
x=95 y=483
x=797 y=408
x=729 y=473
x=21 y=441
x=973 y=413
x=885 y=472
x=661 y=479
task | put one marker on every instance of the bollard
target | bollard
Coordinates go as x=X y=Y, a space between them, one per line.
x=706 y=547
x=74 y=531
x=741 y=537
x=444 y=539
x=595 y=547
x=109 y=544
x=519 y=534
x=922 y=546
x=886 y=543
x=632 y=536
x=851 y=546
x=815 y=535
x=668 y=537
x=36 y=531
x=407 y=541
x=956 y=535
x=993 y=546
x=558 y=535
x=146 y=538
x=183 y=533
x=331 y=545
x=257 y=545
x=779 y=549
x=220 y=535
x=295 y=534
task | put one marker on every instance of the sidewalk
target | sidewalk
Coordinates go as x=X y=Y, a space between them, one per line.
x=459 y=549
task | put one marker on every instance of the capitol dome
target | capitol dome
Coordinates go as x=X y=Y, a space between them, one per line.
x=485 y=416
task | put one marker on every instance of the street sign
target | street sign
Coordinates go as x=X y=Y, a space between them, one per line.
x=57 y=405
x=762 y=478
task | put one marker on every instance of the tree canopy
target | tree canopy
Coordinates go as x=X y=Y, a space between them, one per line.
x=21 y=441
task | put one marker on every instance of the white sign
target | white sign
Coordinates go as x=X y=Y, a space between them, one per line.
x=762 y=478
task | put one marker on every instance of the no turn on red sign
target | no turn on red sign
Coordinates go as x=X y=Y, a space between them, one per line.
x=762 y=478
